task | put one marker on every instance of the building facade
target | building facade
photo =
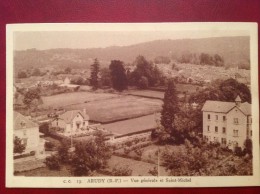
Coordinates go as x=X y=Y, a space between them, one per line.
x=28 y=132
x=73 y=121
x=228 y=123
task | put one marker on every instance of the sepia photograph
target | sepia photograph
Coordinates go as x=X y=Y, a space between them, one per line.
x=132 y=105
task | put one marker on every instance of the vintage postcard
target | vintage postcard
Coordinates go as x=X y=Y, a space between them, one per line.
x=132 y=105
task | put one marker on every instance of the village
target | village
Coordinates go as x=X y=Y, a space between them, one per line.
x=65 y=107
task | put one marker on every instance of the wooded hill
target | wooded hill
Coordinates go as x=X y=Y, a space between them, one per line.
x=233 y=50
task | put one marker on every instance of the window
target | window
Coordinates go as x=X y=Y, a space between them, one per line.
x=216 y=129
x=215 y=139
x=71 y=125
x=216 y=117
x=224 y=129
x=24 y=132
x=235 y=133
x=224 y=118
x=236 y=121
x=208 y=116
x=251 y=133
x=208 y=129
x=224 y=141
x=249 y=120
x=84 y=123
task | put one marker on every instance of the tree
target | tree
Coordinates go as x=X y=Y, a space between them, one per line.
x=143 y=68
x=30 y=96
x=143 y=83
x=105 y=77
x=52 y=162
x=170 y=109
x=63 y=153
x=94 y=74
x=118 y=75
x=90 y=155
x=248 y=146
x=226 y=90
x=19 y=147
x=121 y=171
x=67 y=70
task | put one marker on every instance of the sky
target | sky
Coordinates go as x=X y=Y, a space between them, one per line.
x=42 y=40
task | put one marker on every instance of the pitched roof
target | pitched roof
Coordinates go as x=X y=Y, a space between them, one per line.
x=224 y=107
x=68 y=116
x=22 y=122
x=217 y=106
x=245 y=108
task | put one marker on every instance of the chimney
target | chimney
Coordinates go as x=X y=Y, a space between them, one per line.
x=238 y=101
x=84 y=111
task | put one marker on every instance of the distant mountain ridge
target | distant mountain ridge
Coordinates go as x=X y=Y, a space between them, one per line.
x=233 y=49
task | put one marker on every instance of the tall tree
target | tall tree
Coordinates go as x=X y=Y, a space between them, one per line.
x=105 y=77
x=118 y=75
x=170 y=108
x=94 y=74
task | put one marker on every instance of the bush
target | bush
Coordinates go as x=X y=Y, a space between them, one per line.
x=121 y=171
x=238 y=151
x=52 y=162
x=49 y=146
x=44 y=128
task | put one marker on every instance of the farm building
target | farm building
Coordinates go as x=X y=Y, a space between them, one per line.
x=228 y=123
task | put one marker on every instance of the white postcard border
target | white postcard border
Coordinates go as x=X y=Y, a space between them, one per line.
x=84 y=182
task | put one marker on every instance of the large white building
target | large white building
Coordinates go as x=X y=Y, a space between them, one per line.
x=228 y=123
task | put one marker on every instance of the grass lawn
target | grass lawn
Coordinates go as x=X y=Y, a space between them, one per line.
x=62 y=100
x=119 y=108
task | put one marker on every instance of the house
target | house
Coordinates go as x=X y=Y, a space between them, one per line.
x=228 y=123
x=67 y=81
x=72 y=121
x=67 y=84
x=28 y=132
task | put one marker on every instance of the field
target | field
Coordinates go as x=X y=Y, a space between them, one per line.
x=119 y=108
x=105 y=107
x=132 y=125
x=62 y=100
